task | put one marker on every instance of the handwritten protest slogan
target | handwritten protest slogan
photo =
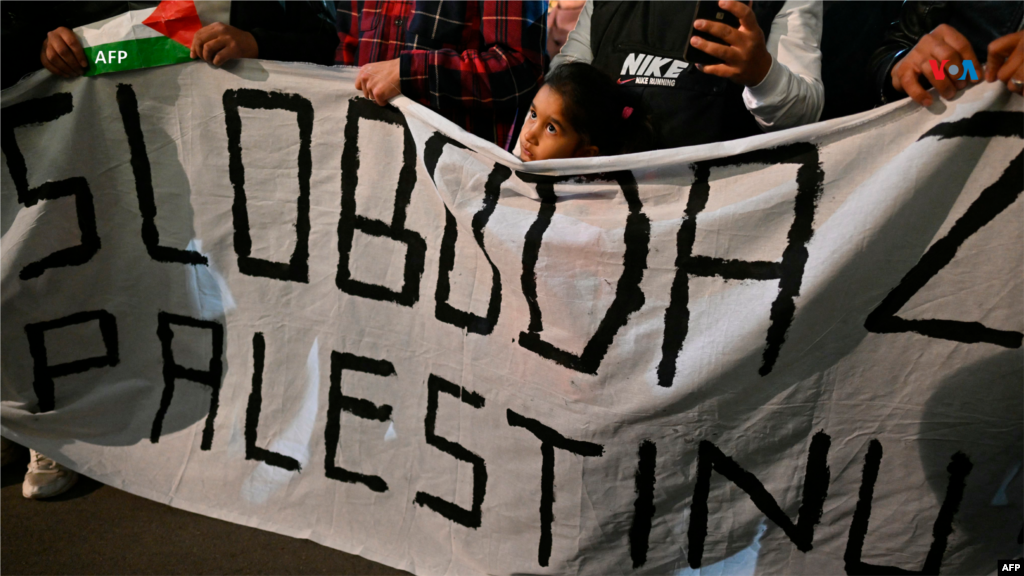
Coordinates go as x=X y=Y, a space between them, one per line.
x=254 y=294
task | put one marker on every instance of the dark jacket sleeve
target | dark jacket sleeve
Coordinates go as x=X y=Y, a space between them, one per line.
x=294 y=31
x=916 y=19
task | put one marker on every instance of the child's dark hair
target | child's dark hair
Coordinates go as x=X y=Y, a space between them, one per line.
x=601 y=111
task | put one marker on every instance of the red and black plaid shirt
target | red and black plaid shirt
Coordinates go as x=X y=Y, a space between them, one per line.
x=477 y=63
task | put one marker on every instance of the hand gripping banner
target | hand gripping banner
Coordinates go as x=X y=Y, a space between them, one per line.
x=253 y=294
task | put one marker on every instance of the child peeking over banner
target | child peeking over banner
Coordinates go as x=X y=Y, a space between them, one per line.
x=581 y=112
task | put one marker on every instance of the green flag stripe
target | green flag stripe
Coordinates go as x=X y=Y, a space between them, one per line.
x=137 y=53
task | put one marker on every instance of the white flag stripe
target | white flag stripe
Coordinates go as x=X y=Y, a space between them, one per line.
x=127 y=26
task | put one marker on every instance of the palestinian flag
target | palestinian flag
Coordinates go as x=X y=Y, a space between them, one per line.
x=140 y=38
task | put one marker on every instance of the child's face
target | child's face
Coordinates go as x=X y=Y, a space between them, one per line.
x=547 y=134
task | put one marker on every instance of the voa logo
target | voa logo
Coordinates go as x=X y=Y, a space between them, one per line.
x=939 y=70
x=651 y=70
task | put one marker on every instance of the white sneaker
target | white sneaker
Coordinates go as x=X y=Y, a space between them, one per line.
x=46 y=478
x=6 y=451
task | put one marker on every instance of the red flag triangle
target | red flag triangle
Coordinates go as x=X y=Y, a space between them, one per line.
x=176 y=19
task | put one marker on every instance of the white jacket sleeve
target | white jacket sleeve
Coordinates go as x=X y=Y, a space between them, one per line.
x=577 y=45
x=792 y=93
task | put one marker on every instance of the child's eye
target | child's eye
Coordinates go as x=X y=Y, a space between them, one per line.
x=533 y=115
x=551 y=129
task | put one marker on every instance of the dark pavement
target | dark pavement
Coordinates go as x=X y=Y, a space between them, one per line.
x=96 y=529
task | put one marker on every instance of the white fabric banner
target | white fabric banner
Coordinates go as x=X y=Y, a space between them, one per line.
x=252 y=294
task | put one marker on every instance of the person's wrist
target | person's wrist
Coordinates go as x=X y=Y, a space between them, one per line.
x=408 y=86
x=887 y=91
x=252 y=47
x=762 y=64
